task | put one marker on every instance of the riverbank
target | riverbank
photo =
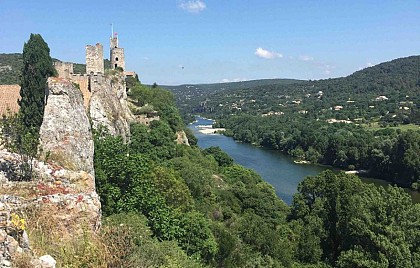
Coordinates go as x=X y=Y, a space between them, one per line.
x=274 y=166
x=210 y=130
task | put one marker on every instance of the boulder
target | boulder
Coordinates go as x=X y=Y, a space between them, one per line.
x=47 y=261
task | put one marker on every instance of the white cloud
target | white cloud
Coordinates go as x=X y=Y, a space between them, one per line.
x=262 y=53
x=369 y=64
x=192 y=6
x=233 y=80
x=327 y=68
x=306 y=58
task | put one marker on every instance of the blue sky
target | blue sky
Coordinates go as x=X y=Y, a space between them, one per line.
x=222 y=40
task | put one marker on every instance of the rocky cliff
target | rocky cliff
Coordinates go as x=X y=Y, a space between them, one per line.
x=108 y=104
x=65 y=134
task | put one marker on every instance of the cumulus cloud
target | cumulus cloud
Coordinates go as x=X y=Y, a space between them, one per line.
x=306 y=58
x=192 y=6
x=265 y=54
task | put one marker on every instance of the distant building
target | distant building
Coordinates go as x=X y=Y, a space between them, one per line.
x=381 y=98
x=116 y=53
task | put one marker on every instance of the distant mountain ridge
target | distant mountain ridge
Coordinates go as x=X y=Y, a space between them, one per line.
x=234 y=85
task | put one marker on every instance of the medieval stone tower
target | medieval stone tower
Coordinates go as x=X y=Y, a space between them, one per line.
x=94 y=59
x=117 y=53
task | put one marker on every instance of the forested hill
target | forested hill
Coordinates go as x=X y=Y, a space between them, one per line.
x=11 y=65
x=397 y=74
x=357 y=96
x=393 y=77
x=193 y=96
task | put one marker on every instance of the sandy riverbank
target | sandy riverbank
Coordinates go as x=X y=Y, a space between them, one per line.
x=208 y=129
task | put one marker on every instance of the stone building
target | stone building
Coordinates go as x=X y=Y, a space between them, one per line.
x=94 y=59
x=116 y=53
x=64 y=69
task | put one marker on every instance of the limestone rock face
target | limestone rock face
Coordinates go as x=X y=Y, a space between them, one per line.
x=181 y=138
x=65 y=134
x=108 y=105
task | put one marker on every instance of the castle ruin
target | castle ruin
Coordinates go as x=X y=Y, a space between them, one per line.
x=95 y=70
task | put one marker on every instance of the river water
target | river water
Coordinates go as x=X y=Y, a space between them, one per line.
x=273 y=166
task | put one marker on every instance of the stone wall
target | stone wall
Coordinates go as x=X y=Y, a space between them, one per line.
x=94 y=59
x=64 y=69
x=83 y=81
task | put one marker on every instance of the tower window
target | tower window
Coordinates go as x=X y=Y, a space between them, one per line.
x=115 y=65
x=116 y=59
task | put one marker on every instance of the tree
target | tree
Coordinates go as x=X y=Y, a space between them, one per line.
x=21 y=131
x=37 y=67
x=222 y=158
x=25 y=144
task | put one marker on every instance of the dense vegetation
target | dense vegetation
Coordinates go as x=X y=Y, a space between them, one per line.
x=223 y=215
x=368 y=120
x=10 y=68
x=194 y=98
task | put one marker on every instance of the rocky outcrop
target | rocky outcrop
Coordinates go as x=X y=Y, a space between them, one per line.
x=65 y=134
x=181 y=138
x=108 y=104
x=66 y=198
